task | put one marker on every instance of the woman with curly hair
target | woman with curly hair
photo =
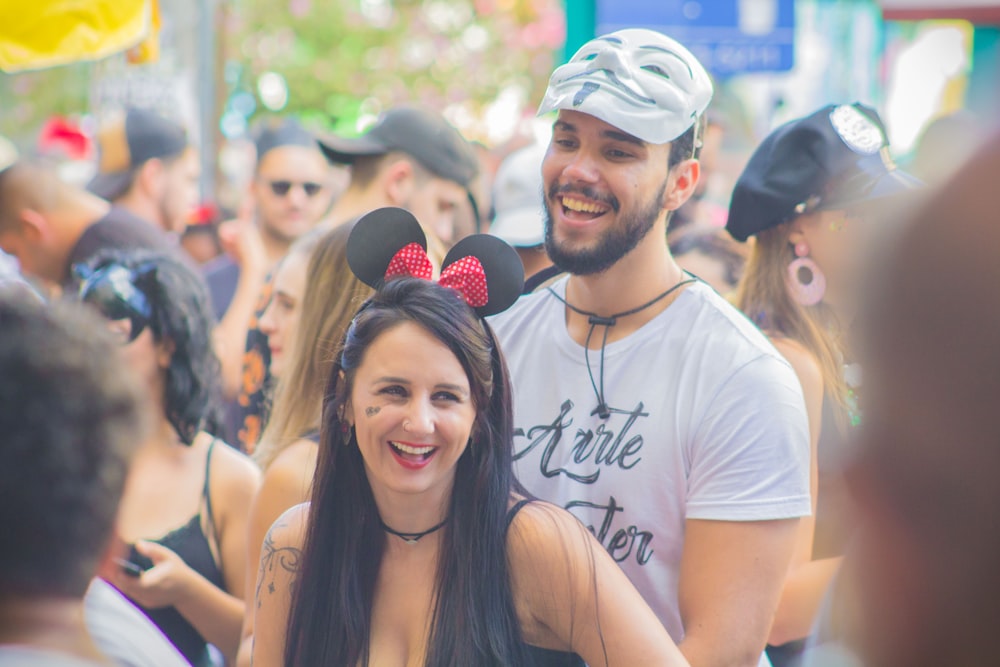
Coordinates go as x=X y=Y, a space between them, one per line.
x=184 y=510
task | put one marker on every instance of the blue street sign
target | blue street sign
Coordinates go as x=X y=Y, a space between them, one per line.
x=727 y=36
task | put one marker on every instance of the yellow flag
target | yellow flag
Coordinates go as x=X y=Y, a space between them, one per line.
x=45 y=33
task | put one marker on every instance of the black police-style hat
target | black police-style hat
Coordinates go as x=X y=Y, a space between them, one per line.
x=836 y=158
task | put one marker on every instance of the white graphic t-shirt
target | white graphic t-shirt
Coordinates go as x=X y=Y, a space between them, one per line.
x=707 y=422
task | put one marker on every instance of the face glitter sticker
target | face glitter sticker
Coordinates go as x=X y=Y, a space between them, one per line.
x=857 y=130
x=372 y=411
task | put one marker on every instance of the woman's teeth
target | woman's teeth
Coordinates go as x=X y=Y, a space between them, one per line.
x=407 y=449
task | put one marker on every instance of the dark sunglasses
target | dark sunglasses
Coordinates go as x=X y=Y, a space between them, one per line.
x=112 y=290
x=281 y=188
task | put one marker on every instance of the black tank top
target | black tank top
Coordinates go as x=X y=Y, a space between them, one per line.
x=538 y=656
x=191 y=544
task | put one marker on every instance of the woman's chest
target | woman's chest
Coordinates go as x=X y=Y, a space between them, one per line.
x=402 y=612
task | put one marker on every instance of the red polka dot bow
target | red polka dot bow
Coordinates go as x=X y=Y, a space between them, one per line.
x=466 y=275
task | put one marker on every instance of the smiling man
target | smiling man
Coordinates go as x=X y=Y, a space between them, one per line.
x=644 y=403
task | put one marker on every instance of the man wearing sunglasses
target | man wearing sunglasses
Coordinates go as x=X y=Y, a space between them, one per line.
x=290 y=192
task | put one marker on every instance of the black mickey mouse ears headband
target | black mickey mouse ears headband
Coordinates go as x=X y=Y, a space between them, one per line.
x=389 y=242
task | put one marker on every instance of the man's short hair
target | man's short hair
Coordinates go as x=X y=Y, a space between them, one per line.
x=69 y=417
x=686 y=146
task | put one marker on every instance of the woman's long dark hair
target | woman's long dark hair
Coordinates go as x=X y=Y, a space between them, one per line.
x=182 y=316
x=474 y=618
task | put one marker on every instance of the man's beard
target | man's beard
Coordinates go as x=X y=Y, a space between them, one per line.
x=613 y=244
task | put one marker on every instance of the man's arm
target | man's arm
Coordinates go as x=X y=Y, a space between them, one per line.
x=241 y=239
x=731 y=578
x=747 y=488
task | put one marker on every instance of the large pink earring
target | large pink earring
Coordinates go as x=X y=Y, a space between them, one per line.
x=806 y=280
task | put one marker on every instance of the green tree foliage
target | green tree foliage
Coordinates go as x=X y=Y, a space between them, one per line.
x=344 y=58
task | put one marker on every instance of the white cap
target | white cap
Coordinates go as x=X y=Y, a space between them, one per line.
x=518 y=199
x=638 y=80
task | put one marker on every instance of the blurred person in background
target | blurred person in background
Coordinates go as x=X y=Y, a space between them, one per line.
x=411 y=158
x=147 y=166
x=8 y=263
x=184 y=511
x=289 y=193
x=519 y=208
x=200 y=239
x=923 y=566
x=71 y=417
x=50 y=225
x=710 y=254
x=806 y=196
x=315 y=296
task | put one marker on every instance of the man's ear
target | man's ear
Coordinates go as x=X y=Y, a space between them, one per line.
x=149 y=178
x=681 y=183
x=34 y=226
x=398 y=181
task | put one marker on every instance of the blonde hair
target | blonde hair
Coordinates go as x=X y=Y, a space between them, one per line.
x=332 y=296
x=765 y=297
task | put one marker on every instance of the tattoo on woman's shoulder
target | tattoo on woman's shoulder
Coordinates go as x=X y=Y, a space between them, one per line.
x=272 y=557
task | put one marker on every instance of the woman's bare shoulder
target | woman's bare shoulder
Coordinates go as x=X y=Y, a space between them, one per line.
x=541 y=531
x=297 y=461
x=289 y=529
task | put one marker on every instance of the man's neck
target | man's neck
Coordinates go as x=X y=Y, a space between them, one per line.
x=354 y=203
x=142 y=207
x=69 y=222
x=636 y=279
x=48 y=623
x=275 y=248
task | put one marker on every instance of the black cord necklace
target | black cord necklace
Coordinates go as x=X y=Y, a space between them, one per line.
x=602 y=410
x=411 y=538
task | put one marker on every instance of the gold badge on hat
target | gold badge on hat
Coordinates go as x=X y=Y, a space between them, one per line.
x=858 y=131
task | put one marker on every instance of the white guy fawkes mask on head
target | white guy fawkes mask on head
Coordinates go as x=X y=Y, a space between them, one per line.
x=638 y=80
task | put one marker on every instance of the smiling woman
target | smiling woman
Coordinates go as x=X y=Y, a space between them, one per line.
x=394 y=561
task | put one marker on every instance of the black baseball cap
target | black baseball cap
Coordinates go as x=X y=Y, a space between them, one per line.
x=422 y=134
x=127 y=142
x=836 y=158
x=276 y=133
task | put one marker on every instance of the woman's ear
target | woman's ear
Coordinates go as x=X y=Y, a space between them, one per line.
x=797 y=230
x=165 y=353
x=346 y=411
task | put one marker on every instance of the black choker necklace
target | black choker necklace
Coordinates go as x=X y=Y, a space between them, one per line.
x=602 y=410
x=411 y=538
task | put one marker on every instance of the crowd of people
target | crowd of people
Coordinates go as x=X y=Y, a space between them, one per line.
x=363 y=431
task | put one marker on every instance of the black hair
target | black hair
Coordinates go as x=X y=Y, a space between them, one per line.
x=182 y=316
x=687 y=146
x=70 y=415
x=474 y=618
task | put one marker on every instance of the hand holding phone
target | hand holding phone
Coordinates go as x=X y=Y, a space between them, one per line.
x=129 y=568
